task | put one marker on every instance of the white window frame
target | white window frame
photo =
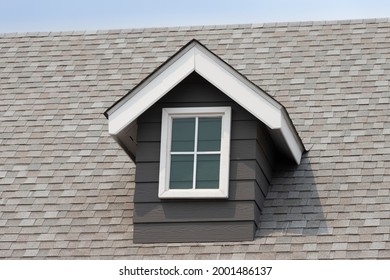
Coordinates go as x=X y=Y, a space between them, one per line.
x=168 y=114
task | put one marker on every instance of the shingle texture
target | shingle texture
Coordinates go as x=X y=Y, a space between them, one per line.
x=66 y=187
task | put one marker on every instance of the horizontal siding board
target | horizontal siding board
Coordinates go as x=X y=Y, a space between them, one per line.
x=246 y=190
x=243 y=149
x=248 y=170
x=146 y=192
x=148 y=152
x=243 y=169
x=194 y=232
x=243 y=130
x=250 y=149
x=147 y=172
x=196 y=211
x=238 y=190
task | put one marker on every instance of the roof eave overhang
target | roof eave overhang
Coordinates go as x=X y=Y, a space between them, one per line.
x=195 y=57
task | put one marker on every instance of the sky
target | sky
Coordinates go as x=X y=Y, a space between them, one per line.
x=67 y=15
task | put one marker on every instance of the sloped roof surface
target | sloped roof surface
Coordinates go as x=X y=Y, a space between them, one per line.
x=66 y=187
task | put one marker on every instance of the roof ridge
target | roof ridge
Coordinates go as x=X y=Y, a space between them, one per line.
x=193 y=27
x=326 y=22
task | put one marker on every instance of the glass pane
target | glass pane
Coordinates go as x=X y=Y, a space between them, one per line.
x=209 y=134
x=183 y=134
x=207 y=173
x=181 y=176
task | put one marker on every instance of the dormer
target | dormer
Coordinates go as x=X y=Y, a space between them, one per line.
x=205 y=141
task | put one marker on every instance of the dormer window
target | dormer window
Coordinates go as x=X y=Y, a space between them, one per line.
x=195 y=145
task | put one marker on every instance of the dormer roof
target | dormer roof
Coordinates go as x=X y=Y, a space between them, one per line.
x=195 y=57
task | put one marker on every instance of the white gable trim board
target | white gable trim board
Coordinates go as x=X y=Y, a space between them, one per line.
x=195 y=57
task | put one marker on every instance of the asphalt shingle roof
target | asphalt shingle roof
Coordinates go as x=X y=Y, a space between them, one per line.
x=66 y=187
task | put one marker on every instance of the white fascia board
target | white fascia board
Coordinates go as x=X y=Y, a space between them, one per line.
x=151 y=92
x=216 y=73
x=294 y=145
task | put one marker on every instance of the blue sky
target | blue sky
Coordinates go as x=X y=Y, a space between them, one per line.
x=55 y=15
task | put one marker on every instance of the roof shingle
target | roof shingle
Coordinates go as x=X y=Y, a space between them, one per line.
x=66 y=187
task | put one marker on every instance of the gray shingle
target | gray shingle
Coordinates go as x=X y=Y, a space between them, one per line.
x=67 y=187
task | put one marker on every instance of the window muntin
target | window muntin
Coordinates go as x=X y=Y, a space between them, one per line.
x=195 y=146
